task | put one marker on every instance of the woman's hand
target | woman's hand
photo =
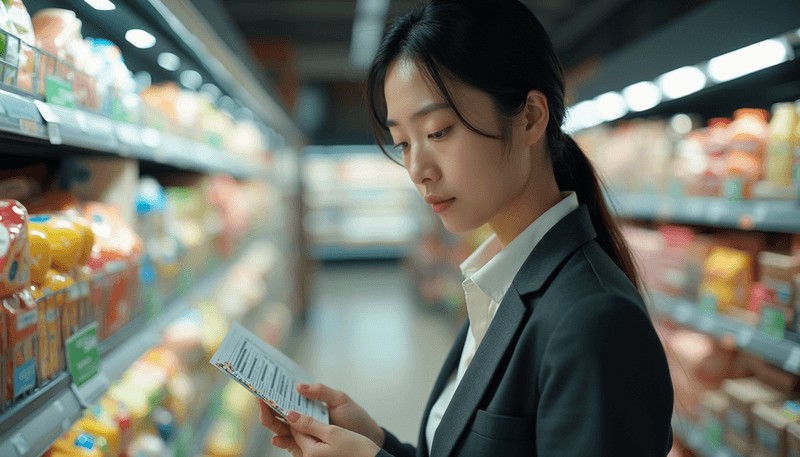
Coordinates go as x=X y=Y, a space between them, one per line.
x=313 y=438
x=343 y=412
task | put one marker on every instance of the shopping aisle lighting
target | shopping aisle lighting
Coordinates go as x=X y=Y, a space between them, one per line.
x=611 y=106
x=140 y=38
x=101 y=5
x=367 y=30
x=642 y=96
x=169 y=61
x=682 y=82
x=191 y=79
x=748 y=60
x=581 y=116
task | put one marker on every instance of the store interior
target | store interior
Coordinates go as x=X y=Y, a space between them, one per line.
x=172 y=167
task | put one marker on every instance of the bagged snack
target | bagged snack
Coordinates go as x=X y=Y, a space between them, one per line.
x=23 y=331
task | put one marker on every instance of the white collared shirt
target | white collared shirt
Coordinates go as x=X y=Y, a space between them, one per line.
x=488 y=274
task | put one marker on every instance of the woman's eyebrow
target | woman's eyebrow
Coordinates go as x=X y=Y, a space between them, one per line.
x=427 y=109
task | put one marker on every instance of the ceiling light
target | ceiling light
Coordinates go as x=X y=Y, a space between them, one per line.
x=642 y=96
x=191 y=79
x=581 y=116
x=681 y=123
x=140 y=38
x=682 y=82
x=101 y=5
x=748 y=60
x=169 y=61
x=611 y=106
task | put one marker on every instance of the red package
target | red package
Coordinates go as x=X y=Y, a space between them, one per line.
x=15 y=252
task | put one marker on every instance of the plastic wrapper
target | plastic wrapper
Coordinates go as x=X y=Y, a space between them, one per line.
x=15 y=262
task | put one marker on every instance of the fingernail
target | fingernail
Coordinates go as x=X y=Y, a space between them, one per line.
x=293 y=416
x=303 y=386
x=275 y=441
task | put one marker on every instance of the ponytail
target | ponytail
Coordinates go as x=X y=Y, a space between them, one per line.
x=574 y=171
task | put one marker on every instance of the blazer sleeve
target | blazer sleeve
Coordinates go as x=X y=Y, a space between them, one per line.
x=392 y=447
x=605 y=386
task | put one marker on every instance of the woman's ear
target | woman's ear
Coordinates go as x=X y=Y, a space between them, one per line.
x=537 y=116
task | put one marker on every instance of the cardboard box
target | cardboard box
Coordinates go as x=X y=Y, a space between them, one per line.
x=743 y=394
x=793 y=440
x=770 y=429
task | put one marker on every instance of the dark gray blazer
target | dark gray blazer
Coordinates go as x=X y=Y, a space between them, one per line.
x=570 y=366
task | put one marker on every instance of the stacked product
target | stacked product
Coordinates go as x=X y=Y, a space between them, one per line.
x=755 y=154
x=153 y=410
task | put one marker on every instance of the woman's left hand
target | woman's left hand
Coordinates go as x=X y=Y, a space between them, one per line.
x=315 y=439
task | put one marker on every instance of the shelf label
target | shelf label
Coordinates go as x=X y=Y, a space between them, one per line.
x=59 y=92
x=19 y=443
x=83 y=355
x=25 y=377
x=792 y=364
x=744 y=336
x=18 y=107
x=772 y=323
x=54 y=134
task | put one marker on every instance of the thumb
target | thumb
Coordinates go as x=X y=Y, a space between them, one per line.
x=322 y=392
x=308 y=425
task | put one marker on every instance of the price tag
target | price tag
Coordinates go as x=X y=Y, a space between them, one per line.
x=58 y=406
x=46 y=112
x=772 y=323
x=29 y=126
x=745 y=336
x=54 y=134
x=792 y=364
x=83 y=356
x=19 y=443
x=59 y=92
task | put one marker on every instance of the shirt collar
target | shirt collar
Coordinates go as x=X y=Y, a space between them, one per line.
x=493 y=268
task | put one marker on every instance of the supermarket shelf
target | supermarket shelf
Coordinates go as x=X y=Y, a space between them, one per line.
x=781 y=353
x=356 y=252
x=762 y=215
x=693 y=438
x=29 y=428
x=24 y=118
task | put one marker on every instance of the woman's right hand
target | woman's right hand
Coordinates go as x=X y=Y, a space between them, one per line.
x=343 y=412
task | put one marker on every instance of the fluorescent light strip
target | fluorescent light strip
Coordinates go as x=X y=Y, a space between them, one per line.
x=678 y=83
x=101 y=5
x=169 y=61
x=140 y=38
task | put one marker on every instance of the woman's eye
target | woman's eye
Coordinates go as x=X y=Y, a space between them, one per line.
x=440 y=134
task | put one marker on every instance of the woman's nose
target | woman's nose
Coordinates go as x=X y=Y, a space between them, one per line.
x=421 y=166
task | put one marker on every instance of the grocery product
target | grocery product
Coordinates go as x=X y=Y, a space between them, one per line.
x=796 y=149
x=743 y=394
x=726 y=281
x=41 y=259
x=22 y=322
x=19 y=16
x=782 y=141
x=98 y=422
x=9 y=46
x=777 y=274
x=714 y=405
x=793 y=439
x=770 y=422
x=76 y=443
x=15 y=264
x=57 y=30
x=717 y=141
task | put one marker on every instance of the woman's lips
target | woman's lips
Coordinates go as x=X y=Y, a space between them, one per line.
x=441 y=207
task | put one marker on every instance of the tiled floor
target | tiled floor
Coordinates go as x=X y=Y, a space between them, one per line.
x=367 y=336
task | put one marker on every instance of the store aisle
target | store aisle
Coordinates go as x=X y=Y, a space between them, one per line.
x=367 y=336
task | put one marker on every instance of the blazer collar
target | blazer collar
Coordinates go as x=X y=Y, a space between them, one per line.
x=559 y=242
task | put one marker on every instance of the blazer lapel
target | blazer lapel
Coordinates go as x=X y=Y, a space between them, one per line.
x=449 y=366
x=469 y=392
x=563 y=239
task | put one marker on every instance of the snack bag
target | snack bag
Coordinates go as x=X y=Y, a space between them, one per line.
x=41 y=258
x=15 y=264
x=23 y=330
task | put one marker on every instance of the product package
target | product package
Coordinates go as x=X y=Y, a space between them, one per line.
x=743 y=394
x=726 y=281
x=771 y=420
x=23 y=333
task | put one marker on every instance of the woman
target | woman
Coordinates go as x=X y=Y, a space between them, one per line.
x=558 y=356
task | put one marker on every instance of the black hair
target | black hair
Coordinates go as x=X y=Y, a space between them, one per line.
x=500 y=48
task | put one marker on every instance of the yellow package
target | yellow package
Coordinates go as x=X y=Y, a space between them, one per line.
x=65 y=238
x=99 y=423
x=62 y=316
x=75 y=443
x=726 y=278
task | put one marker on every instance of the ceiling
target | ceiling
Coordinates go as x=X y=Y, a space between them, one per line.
x=303 y=47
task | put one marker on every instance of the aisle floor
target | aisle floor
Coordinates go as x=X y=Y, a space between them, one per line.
x=367 y=335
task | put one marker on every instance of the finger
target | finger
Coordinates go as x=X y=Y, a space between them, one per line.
x=269 y=419
x=308 y=425
x=322 y=392
x=282 y=441
x=303 y=441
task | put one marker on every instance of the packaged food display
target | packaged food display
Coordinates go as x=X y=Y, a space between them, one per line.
x=743 y=395
x=771 y=422
x=782 y=141
x=41 y=259
x=726 y=280
x=19 y=16
x=22 y=320
x=56 y=31
x=15 y=264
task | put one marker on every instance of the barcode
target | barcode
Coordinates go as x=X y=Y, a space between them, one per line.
x=267 y=378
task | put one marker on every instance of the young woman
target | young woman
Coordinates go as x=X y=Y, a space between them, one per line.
x=558 y=356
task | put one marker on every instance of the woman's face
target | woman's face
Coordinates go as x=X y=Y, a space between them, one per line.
x=466 y=178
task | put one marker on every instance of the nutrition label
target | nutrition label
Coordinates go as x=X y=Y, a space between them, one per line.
x=267 y=372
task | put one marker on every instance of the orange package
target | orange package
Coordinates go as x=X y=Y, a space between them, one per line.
x=23 y=330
